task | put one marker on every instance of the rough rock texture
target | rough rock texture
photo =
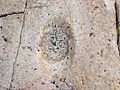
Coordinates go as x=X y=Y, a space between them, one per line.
x=11 y=6
x=59 y=45
x=117 y=8
x=9 y=41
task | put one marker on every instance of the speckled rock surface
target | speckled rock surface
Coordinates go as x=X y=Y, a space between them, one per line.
x=11 y=6
x=59 y=45
x=9 y=41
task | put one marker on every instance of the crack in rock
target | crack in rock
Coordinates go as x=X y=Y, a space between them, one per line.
x=13 y=72
x=12 y=13
x=117 y=25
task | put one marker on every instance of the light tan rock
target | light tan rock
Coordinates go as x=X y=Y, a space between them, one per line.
x=67 y=45
x=11 y=6
x=10 y=29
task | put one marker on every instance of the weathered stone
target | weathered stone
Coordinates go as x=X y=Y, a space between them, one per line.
x=11 y=6
x=10 y=29
x=55 y=41
x=117 y=8
x=88 y=58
